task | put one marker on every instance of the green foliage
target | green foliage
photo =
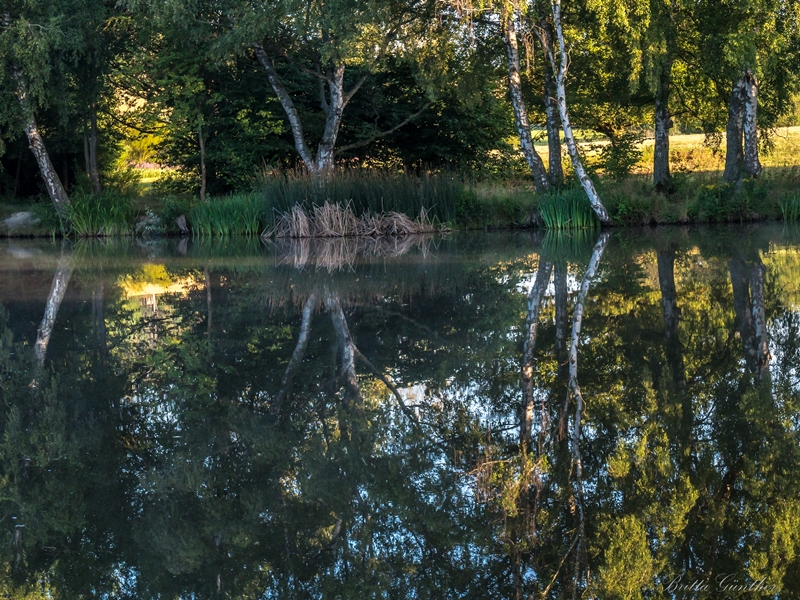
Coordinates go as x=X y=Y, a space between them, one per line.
x=103 y=214
x=567 y=209
x=622 y=154
x=630 y=209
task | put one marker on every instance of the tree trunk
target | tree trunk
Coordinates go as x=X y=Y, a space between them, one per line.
x=752 y=165
x=289 y=108
x=734 y=158
x=663 y=121
x=520 y=109
x=202 y=142
x=333 y=118
x=333 y=107
x=55 y=190
x=560 y=71
x=54 y=298
x=531 y=331
x=556 y=172
x=94 y=167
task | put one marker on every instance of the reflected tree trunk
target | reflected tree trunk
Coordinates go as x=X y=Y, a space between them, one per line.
x=669 y=306
x=743 y=308
x=531 y=331
x=574 y=393
x=347 y=371
x=54 y=299
x=297 y=355
x=99 y=319
x=562 y=314
x=760 y=336
x=209 y=311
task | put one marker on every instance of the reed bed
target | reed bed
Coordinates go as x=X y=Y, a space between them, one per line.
x=567 y=209
x=334 y=220
x=100 y=215
x=790 y=206
x=365 y=192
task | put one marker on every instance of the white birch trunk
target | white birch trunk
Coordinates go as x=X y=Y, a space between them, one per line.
x=531 y=333
x=297 y=355
x=333 y=106
x=574 y=391
x=757 y=275
x=55 y=190
x=752 y=165
x=54 y=299
x=520 y=108
x=572 y=148
x=734 y=157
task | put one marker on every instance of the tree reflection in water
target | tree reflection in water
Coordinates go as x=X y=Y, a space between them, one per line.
x=397 y=426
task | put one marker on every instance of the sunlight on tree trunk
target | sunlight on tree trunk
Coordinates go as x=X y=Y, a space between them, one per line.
x=752 y=165
x=663 y=123
x=734 y=158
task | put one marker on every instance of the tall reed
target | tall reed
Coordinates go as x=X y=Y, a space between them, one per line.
x=363 y=191
x=567 y=209
x=93 y=215
x=790 y=206
x=242 y=214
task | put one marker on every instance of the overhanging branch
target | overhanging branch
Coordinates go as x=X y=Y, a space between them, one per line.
x=369 y=140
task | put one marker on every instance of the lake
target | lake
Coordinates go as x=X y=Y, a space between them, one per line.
x=494 y=415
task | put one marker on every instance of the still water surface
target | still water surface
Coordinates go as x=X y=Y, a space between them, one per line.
x=482 y=416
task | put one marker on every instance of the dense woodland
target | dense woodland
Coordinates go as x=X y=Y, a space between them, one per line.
x=216 y=91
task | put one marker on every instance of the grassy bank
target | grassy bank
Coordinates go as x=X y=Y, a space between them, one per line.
x=376 y=203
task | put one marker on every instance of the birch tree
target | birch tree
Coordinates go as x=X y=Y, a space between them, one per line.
x=326 y=41
x=30 y=34
x=559 y=61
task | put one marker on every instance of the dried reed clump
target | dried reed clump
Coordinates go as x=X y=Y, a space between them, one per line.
x=331 y=220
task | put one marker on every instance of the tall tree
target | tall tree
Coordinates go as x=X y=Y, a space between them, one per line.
x=33 y=37
x=325 y=41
